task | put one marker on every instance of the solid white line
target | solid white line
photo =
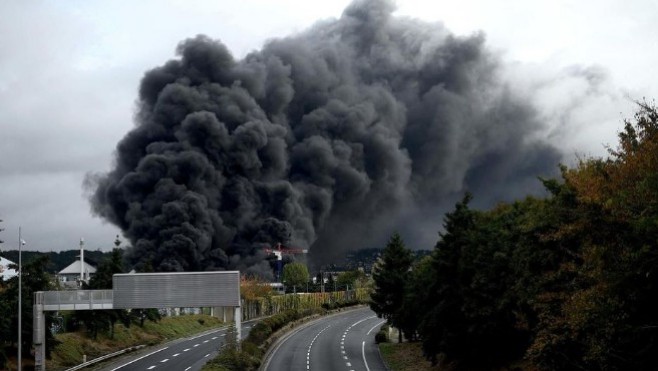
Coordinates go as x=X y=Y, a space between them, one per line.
x=363 y=351
x=135 y=360
x=373 y=327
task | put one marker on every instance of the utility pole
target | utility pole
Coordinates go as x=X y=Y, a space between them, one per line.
x=20 y=301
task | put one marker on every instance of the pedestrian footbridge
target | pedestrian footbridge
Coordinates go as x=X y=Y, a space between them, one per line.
x=75 y=300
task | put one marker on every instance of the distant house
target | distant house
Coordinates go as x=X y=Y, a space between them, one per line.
x=69 y=277
x=4 y=269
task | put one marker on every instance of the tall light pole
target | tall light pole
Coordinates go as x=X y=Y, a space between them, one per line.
x=20 y=301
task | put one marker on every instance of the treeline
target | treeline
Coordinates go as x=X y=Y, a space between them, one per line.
x=565 y=282
x=37 y=278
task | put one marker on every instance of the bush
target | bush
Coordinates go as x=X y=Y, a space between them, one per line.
x=381 y=336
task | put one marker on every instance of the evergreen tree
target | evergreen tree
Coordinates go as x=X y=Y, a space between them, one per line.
x=443 y=320
x=96 y=321
x=390 y=277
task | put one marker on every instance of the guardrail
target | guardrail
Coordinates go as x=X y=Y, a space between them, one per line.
x=107 y=356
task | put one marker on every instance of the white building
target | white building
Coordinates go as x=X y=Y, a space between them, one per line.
x=70 y=276
x=4 y=269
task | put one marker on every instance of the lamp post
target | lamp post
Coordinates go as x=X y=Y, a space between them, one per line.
x=20 y=300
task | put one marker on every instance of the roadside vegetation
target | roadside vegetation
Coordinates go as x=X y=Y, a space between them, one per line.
x=72 y=345
x=565 y=282
x=248 y=354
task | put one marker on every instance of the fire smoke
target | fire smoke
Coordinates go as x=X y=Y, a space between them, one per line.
x=327 y=140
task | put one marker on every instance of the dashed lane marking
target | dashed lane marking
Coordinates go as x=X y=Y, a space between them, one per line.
x=308 y=353
x=142 y=357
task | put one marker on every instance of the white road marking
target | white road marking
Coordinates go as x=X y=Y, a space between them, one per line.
x=176 y=355
x=308 y=353
x=150 y=368
x=188 y=368
x=349 y=364
x=214 y=337
x=373 y=327
x=205 y=341
x=196 y=345
x=363 y=351
x=142 y=357
x=206 y=355
x=186 y=350
x=164 y=360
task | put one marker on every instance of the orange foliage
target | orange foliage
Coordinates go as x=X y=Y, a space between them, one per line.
x=254 y=287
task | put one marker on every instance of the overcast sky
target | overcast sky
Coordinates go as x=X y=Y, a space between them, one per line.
x=69 y=72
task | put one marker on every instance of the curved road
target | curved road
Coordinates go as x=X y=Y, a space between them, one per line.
x=340 y=342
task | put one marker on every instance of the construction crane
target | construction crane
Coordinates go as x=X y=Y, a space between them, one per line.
x=279 y=250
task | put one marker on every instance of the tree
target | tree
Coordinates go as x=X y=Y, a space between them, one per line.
x=390 y=278
x=351 y=279
x=96 y=321
x=607 y=314
x=415 y=293
x=34 y=278
x=295 y=274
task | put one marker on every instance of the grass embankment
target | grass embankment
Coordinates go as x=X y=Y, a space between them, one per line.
x=406 y=356
x=73 y=345
x=409 y=357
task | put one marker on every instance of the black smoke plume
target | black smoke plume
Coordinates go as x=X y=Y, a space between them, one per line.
x=326 y=140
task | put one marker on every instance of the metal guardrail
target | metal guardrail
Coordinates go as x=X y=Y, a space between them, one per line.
x=107 y=356
x=78 y=300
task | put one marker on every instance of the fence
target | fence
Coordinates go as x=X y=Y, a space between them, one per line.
x=278 y=303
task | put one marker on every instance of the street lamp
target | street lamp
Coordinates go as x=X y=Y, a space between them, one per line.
x=20 y=301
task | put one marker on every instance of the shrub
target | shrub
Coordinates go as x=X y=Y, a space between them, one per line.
x=381 y=336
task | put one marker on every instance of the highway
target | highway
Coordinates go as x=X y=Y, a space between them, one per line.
x=341 y=342
x=189 y=354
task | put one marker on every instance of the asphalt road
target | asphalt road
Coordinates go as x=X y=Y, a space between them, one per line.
x=189 y=354
x=341 y=342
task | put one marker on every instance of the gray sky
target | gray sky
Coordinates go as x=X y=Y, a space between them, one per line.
x=69 y=73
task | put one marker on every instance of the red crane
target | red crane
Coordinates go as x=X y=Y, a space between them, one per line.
x=279 y=250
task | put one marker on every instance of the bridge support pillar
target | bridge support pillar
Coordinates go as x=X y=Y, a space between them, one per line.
x=39 y=332
x=237 y=317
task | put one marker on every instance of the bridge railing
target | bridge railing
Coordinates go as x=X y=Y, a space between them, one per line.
x=77 y=300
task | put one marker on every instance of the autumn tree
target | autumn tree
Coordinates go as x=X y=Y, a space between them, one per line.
x=611 y=315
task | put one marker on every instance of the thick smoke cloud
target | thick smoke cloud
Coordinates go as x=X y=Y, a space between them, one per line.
x=328 y=139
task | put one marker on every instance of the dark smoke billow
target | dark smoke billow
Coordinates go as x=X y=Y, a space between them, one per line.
x=329 y=139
